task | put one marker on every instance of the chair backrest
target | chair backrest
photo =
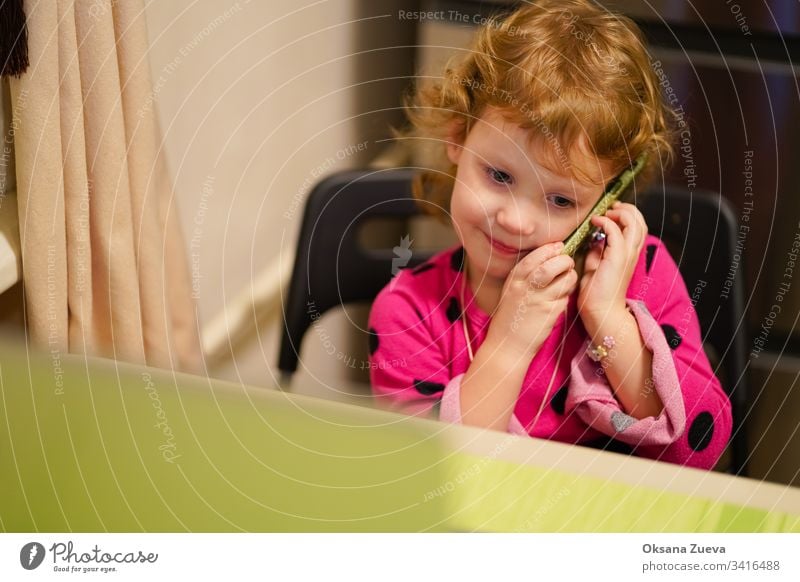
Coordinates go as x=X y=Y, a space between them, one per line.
x=700 y=230
x=333 y=269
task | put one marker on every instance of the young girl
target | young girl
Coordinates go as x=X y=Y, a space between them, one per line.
x=506 y=331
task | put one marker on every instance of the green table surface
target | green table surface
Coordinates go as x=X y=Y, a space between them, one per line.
x=96 y=445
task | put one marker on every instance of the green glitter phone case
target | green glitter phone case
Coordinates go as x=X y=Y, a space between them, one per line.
x=574 y=241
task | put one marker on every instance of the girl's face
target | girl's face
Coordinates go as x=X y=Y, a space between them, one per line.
x=505 y=204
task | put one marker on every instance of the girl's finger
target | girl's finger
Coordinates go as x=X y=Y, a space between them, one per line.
x=592 y=260
x=564 y=284
x=615 y=247
x=544 y=274
x=623 y=221
x=536 y=257
x=614 y=238
x=633 y=226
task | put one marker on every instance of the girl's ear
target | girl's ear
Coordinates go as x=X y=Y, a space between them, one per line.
x=455 y=141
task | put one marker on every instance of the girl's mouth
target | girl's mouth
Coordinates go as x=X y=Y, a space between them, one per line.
x=504 y=249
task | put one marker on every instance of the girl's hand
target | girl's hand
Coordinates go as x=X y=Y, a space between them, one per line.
x=609 y=267
x=535 y=293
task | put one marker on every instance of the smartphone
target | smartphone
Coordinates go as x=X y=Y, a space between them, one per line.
x=615 y=189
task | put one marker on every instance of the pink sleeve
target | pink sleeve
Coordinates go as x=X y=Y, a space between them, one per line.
x=451 y=407
x=591 y=397
x=695 y=425
x=408 y=371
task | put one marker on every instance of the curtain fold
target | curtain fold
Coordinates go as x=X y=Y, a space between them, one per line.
x=104 y=262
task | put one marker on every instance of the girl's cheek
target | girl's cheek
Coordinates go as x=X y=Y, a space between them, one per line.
x=482 y=205
x=563 y=226
x=457 y=203
x=467 y=205
x=474 y=210
x=460 y=213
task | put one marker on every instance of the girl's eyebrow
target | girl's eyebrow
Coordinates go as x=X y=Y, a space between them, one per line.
x=571 y=185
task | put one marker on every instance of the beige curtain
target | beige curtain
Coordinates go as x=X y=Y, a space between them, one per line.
x=104 y=264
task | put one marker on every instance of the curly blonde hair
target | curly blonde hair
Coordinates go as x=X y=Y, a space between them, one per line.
x=565 y=69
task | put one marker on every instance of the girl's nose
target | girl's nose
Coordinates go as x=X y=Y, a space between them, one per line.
x=516 y=219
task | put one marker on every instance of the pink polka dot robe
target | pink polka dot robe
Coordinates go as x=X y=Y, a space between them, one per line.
x=418 y=357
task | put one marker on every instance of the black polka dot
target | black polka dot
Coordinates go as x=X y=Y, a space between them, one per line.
x=701 y=431
x=373 y=341
x=651 y=253
x=453 y=310
x=559 y=400
x=457 y=259
x=428 y=388
x=674 y=339
x=422 y=268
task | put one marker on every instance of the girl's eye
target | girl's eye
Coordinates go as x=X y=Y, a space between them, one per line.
x=560 y=201
x=499 y=176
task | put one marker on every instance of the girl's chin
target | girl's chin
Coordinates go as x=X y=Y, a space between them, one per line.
x=494 y=264
x=495 y=269
x=500 y=261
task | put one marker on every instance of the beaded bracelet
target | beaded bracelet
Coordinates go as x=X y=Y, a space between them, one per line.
x=598 y=352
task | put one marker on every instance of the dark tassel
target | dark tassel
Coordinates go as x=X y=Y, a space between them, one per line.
x=13 y=38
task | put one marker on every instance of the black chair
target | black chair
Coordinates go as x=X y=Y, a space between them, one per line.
x=700 y=230
x=333 y=269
